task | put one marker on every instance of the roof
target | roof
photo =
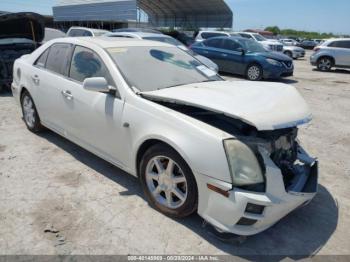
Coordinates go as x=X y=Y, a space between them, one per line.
x=138 y=34
x=110 y=42
x=208 y=13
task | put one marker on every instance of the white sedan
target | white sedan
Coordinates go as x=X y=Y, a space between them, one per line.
x=226 y=150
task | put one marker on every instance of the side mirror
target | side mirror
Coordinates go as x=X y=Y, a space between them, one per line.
x=96 y=84
x=241 y=50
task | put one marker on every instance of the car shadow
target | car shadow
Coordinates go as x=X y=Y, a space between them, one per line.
x=280 y=80
x=6 y=93
x=299 y=235
x=334 y=71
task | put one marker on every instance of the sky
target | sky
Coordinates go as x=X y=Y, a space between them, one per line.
x=310 y=15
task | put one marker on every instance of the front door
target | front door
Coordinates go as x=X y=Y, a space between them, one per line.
x=95 y=117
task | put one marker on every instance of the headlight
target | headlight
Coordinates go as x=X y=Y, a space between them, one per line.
x=244 y=165
x=273 y=62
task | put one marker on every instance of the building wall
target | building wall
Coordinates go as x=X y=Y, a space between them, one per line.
x=92 y=10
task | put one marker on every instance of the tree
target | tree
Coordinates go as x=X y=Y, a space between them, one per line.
x=273 y=29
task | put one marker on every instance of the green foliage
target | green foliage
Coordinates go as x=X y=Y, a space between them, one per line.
x=301 y=34
x=273 y=29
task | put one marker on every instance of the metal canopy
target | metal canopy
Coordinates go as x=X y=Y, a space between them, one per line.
x=187 y=13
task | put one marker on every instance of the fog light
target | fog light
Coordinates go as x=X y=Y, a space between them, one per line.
x=246 y=221
x=254 y=209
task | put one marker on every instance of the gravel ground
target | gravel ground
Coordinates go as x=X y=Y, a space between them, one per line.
x=56 y=198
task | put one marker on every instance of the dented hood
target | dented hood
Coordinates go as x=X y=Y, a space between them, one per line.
x=267 y=106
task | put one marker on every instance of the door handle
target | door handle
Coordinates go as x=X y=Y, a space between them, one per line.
x=67 y=94
x=224 y=55
x=36 y=79
x=205 y=52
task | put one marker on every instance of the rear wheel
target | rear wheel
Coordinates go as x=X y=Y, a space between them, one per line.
x=168 y=182
x=30 y=114
x=325 y=64
x=254 y=72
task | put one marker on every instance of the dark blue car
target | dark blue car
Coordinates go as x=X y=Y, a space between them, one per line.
x=245 y=57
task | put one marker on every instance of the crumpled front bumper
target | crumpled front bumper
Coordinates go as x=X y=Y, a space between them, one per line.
x=248 y=213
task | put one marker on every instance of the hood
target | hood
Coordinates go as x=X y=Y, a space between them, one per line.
x=266 y=106
x=277 y=56
x=22 y=25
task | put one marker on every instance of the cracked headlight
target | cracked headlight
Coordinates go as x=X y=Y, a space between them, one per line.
x=273 y=62
x=244 y=165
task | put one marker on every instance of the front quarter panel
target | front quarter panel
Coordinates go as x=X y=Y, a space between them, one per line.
x=199 y=144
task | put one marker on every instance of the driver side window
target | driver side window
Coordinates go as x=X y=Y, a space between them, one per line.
x=86 y=64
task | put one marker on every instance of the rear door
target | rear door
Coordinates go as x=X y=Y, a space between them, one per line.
x=49 y=76
x=233 y=60
x=341 y=51
x=212 y=50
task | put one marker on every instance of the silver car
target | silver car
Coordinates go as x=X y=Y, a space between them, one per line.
x=332 y=53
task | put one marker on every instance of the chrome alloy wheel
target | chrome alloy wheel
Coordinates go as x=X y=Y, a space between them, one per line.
x=325 y=64
x=166 y=182
x=28 y=111
x=253 y=72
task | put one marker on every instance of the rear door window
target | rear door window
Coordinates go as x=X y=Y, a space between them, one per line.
x=210 y=35
x=41 y=61
x=340 y=44
x=230 y=45
x=215 y=43
x=58 y=59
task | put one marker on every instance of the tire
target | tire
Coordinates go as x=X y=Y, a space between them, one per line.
x=325 y=64
x=288 y=53
x=30 y=114
x=254 y=72
x=175 y=192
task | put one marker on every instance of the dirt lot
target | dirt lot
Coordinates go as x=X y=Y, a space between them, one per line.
x=56 y=198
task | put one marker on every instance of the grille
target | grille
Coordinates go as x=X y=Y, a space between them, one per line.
x=277 y=48
x=288 y=64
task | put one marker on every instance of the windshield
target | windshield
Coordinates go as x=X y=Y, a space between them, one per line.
x=152 y=68
x=251 y=46
x=167 y=40
x=100 y=33
x=259 y=38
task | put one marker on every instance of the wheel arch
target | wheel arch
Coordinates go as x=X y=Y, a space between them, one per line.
x=148 y=143
x=327 y=56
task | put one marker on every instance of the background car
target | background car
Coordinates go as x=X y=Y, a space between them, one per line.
x=84 y=31
x=307 y=44
x=166 y=39
x=332 y=53
x=203 y=35
x=226 y=150
x=269 y=44
x=51 y=33
x=245 y=57
x=17 y=38
x=135 y=30
x=288 y=42
x=294 y=52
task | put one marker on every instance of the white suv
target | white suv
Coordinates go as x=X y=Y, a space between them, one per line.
x=332 y=53
x=271 y=45
x=204 y=35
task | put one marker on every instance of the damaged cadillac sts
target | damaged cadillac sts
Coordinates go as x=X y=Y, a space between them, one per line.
x=226 y=150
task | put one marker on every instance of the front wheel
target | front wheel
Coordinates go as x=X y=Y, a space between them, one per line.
x=254 y=72
x=30 y=114
x=324 y=64
x=168 y=182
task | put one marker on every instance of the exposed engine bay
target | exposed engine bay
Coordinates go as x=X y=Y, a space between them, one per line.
x=281 y=143
x=10 y=50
